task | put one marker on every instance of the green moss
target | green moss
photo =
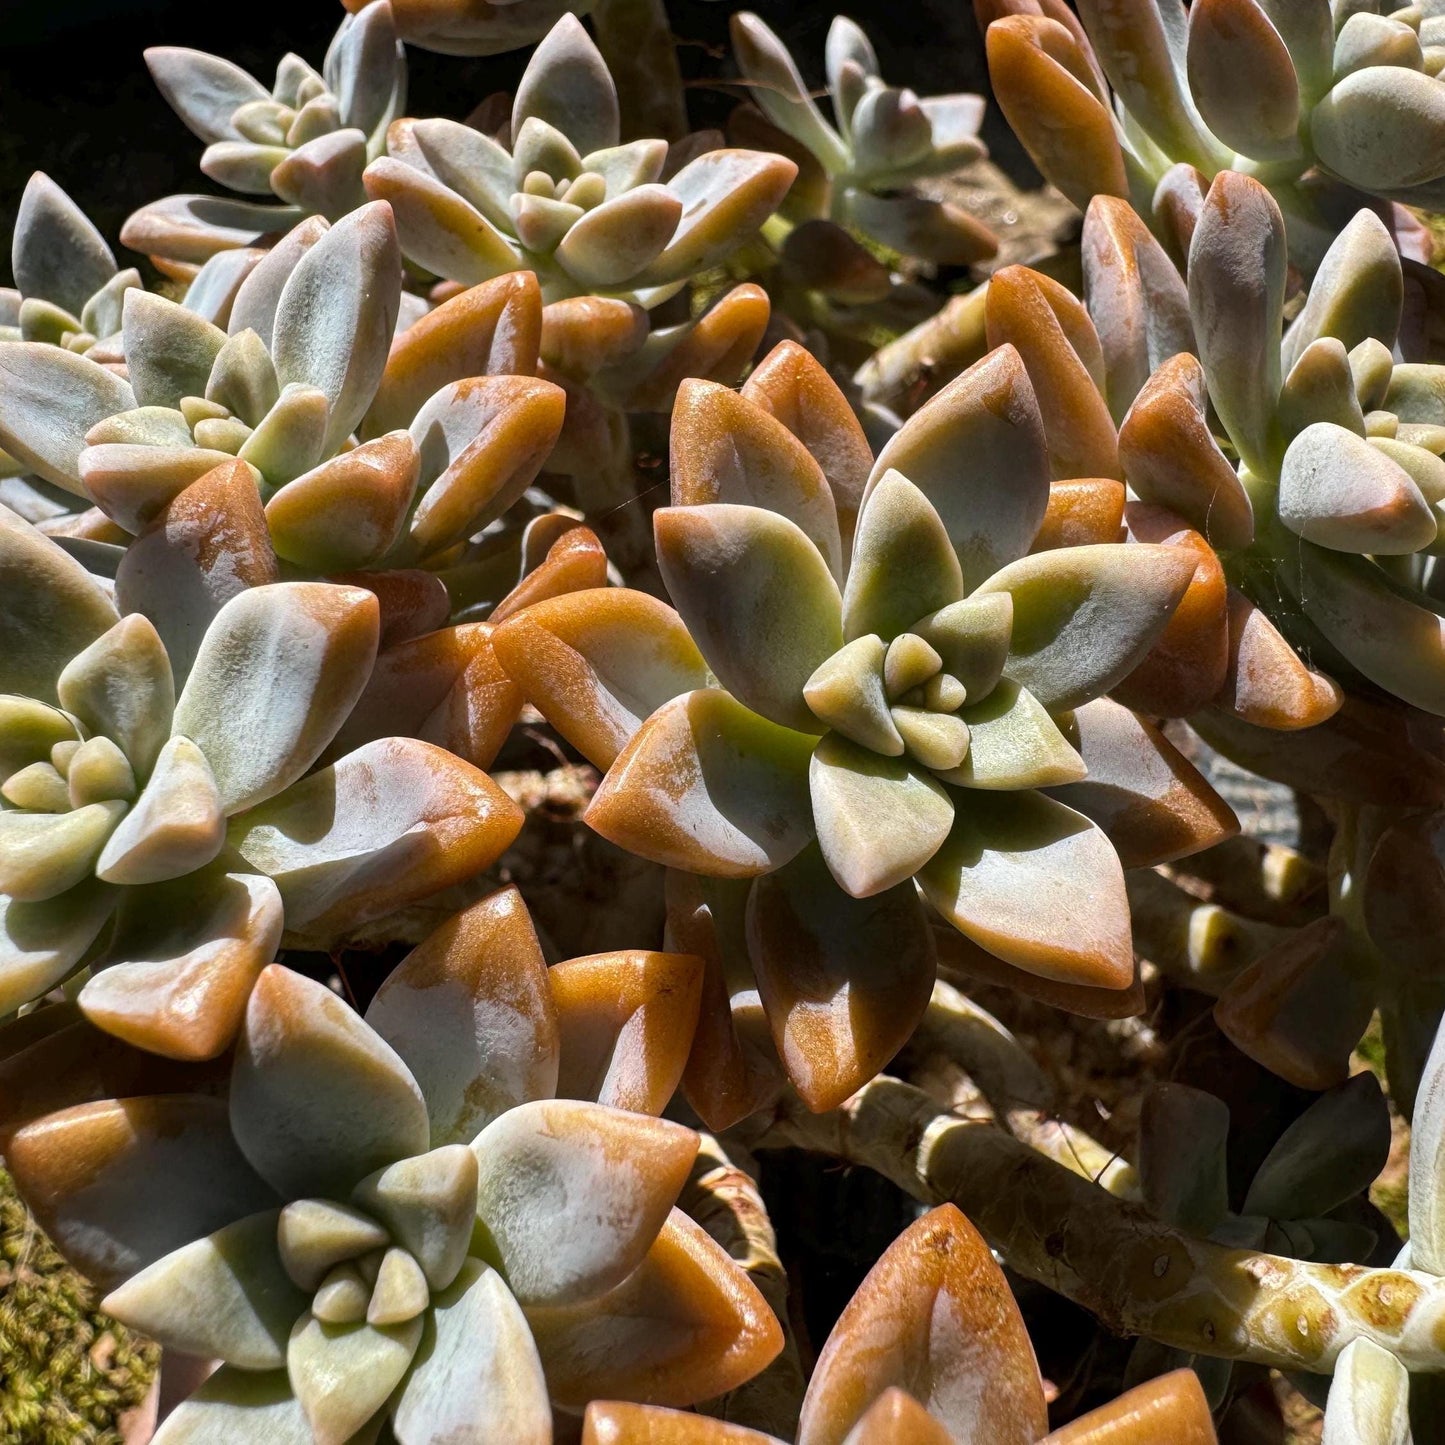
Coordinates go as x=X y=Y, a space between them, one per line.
x=68 y=1371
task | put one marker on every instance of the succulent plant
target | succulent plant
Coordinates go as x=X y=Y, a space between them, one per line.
x=68 y=289
x=867 y=681
x=475 y=27
x=560 y=196
x=165 y=838
x=1142 y=100
x=412 y=1223
x=861 y=170
x=892 y=1371
x=309 y=361
x=305 y=142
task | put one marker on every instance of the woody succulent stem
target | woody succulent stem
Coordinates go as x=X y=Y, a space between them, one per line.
x=1138 y=1276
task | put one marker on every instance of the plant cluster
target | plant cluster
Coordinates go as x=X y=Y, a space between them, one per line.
x=545 y=668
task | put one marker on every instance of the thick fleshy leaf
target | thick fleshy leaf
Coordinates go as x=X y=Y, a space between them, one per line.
x=1427 y=1152
x=615 y=1422
x=625 y=1023
x=313 y=1235
x=56 y=252
x=794 y=386
x=1380 y=628
x=879 y=819
x=725 y=450
x=847 y=692
x=54 y=608
x=169 y=350
x=758 y=598
x=709 y=787
x=733 y=1068
x=470 y=1011
x=781 y=92
x=437 y=228
x=972 y=639
x=1171 y=458
x=392 y=822
x=1170 y=1407
x=597 y=663
x=121 y=686
x=119 y=1183
x=204 y=90
x=224 y=1297
x=1045 y=82
x=904 y=565
x=317 y=641
x=477 y=1377
x=183 y=962
x=260 y=293
x=1084 y=616
x=49 y=399
x=571 y=1195
x=1189 y=661
x=1060 y=350
x=583 y=334
x=896 y=1418
x=686 y=1325
x=977 y=452
x=1137 y=299
x=207 y=544
x=176 y=825
x=1037 y=884
x=844 y=981
x=1382 y=128
x=1236 y=296
x=232 y=1407
x=493 y=329
x=42 y=943
x=1013 y=743
x=337 y=313
x=349 y=511
x=43 y=854
x=1404 y=892
x=318 y=1100
x=133 y=484
x=566 y=84
x=725 y=195
x=575 y=562
x=445 y=687
x=1341 y=492
x=1369 y=1400
x=616 y=240
x=429 y=1203
x=1332 y=1152
x=1266 y=683
x=1356 y=294
x=188 y=230
x=1243 y=79
x=1300 y=1008
x=343 y=1374
x=934 y=1317
x=482 y=441
x=1141 y=790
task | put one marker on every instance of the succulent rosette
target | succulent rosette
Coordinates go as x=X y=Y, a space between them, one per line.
x=1149 y=102
x=861 y=170
x=474 y=27
x=563 y=197
x=410 y=1224
x=165 y=831
x=870 y=690
x=303 y=144
x=892 y=1372
x=364 y=453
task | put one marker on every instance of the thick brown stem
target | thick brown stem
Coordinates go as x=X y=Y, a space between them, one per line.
x=1136 y=1275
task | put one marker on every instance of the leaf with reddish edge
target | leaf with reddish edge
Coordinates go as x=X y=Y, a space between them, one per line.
x=934 y=1317
x=1151 y=801
x=597 y=663
x=844 y=981
x=626 y=1022
x=470 y=1011
x=708 y=787
x=686 y=1325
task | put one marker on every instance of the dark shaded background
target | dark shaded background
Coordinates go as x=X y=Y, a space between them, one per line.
x=77 y=101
